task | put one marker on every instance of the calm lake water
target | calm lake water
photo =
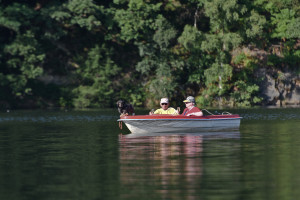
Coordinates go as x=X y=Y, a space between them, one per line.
x=84 y=155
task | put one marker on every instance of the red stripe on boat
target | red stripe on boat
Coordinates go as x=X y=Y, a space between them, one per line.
x=179 y=117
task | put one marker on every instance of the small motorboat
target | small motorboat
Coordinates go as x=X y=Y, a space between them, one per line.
x=180 y=124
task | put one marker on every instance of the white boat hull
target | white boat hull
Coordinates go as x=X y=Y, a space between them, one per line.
x=181 y=125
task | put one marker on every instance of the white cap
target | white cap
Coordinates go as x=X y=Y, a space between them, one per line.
x=164 y=100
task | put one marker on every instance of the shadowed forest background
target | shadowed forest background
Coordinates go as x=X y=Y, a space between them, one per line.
x=90 y=53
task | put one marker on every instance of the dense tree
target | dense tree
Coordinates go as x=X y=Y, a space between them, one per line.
x=89 y=53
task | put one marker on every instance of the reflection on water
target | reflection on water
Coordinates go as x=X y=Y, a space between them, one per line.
x=81 y=155
x=164 y=163
x=171 y=165
x=208 y=135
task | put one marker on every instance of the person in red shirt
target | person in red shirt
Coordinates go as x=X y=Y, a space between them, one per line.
x=190 y=109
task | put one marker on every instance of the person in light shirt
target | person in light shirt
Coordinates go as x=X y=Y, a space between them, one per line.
x=190 y=109
x=165 y=109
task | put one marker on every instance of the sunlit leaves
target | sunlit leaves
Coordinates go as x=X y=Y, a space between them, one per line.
x=281 y=21
x=137 y=20
x=83 y=13
x=191 y=38
x=293 y=29
x=164 y=33
x=223 y=13
x=255 y=25
x=245 y=94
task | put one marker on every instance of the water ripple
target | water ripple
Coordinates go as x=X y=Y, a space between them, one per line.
x=58 y=118
x=109 y=115
x=279 y=116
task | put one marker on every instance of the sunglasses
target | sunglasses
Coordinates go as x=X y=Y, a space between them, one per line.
x=187 y=102
x=164 y=104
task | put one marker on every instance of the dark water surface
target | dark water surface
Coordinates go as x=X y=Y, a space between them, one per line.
x=83 y=155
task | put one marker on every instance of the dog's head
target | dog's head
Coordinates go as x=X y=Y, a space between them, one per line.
x=120 y=103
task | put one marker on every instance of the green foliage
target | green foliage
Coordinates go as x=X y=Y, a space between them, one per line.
x=23 y=58
x=282 y=20
x=293 y=29
x=84 y=13
x=217 y=77
x=191 y=38
x=290 y=60
x=86 y=53
x=158 y=61
x=162 y=87
x=248 y=63
x=273 y=6
x=159 y=69
x=255 y=25
x=284 y=17
x=16 y=16
x=137 y=97
x=218 y=73
x=204 y=100
x=164 y=33
x=223 y=13
x=97 y=76
x=245 y=94
x=9 y=23
x=138 y=19
x=239 y=59
x=231 y=40
x=211 y=44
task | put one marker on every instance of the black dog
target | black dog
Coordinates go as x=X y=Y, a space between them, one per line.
x=125 y=108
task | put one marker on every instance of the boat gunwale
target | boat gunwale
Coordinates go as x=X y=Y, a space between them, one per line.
x=213 y=119
x=178 y=117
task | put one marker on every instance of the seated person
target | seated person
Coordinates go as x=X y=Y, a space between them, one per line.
x=190 y=109
x=165 y=109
